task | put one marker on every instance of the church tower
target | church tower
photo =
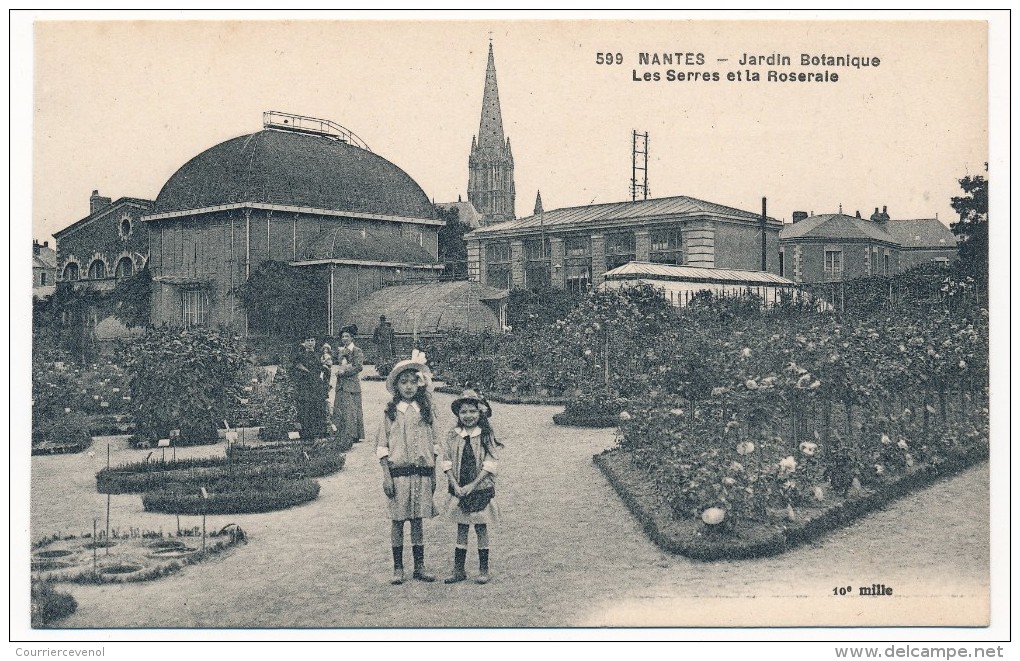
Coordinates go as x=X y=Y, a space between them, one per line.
x=491 y=163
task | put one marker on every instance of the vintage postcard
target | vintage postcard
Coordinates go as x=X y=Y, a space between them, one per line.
x=298 y=283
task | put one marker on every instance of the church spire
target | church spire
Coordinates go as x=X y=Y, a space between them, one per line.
x=538 y=203
x=490 y=128
x=491 y=163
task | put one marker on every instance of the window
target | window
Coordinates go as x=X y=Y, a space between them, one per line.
x=536 y=263
x=42 y=278
x=97 y=270
x=194 y=305
x=71 y=272
x=887 y=264
x=497 y=265
x=619 y=249
x=782 y=265
x=577 y=263
x=833 y=264
x=125 y=228
x=666 y=247
x=125 y=268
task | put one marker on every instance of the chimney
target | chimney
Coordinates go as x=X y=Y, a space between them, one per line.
x=885 y=214
x=35 y=247
x=879 y=217
x=799 y=216
x=97 y=202
x=858 y=213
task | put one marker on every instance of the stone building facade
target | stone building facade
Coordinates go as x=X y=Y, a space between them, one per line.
x=572 y=248
x=301 y=191
x=838 y=247
x=109 y=244
x=44 y=269
x=491 y=162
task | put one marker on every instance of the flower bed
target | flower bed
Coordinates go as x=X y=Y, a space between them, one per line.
x=509 y=398
x=230 y=496
x=694 y=538
x=135 y=555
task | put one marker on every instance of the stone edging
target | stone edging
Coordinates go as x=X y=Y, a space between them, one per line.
x=665 y=531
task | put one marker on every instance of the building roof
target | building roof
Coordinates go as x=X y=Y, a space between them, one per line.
x=467 y=213
x=922 y=233
x=354 y=245
x=569 y=217
x=294 y=169
x=38 y=262
x=428 y=307
x=835 y=226
x=133 y=201
x=650 y=271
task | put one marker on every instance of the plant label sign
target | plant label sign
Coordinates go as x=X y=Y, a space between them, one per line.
x=163 y=443
x=293 y=435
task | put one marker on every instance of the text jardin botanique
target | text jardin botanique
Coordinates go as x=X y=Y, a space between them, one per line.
x=751 y=60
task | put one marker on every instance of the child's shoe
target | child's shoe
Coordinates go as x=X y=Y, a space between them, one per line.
x=459 y=556
x=398 y=576
x=398 y=565
x=483 y=567
x=420 y=573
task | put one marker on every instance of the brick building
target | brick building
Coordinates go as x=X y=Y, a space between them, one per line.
x=303 y=191
x=572 y=248
x=836 y=247
x=108 y=244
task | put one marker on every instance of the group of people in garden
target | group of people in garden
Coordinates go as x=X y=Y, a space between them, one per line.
x=414 y=454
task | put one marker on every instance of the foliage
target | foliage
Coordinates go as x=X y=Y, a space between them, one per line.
x=183 y=380
x=275 y=290
x=972 y=227
x=130 y=301
x=452 y=246
x=48 y=604
x=543 y=306
x=384 y=367
x=234 y=497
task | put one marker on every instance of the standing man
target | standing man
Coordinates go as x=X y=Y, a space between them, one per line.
x=383 y=339
x=311 y=391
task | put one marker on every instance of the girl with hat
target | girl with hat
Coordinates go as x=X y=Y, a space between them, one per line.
x=470 y=463
x=406 y=448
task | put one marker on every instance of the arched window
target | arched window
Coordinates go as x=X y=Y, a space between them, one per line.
x=97 y=270
x=125 y=228
x=71 y=272
x=125 y=268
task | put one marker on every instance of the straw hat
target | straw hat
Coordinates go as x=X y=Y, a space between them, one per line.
x=417 y=363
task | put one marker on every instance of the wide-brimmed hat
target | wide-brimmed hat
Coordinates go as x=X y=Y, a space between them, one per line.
x=473 y=397
x=349 y=328
x=416 y=363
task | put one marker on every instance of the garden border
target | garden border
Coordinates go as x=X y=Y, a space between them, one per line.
x=504 y=398
x=661 y=526
x=605 y=422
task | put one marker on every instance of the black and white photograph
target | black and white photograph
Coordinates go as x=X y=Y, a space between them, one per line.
x=355 y=327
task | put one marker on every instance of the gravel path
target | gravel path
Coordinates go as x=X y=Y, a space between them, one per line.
x=566 y=554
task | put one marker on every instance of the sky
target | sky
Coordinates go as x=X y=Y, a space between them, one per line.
x=119 y=106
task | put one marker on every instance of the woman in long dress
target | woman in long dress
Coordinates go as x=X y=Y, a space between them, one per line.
x=347 y=411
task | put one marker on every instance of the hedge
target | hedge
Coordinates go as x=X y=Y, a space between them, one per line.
x=505 y=398
x=48 y=605
x=593 y=422
x=234 y=497
x=698 y=541
x=195 y=473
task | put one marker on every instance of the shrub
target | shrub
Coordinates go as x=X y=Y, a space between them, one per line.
x=183 y=380
x=383 y=368
x=60 y=433
x=234 y=497
x=49 y=605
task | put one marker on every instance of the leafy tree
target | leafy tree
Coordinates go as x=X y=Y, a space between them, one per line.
x=452 y=246
x=973 y=225
x=131 y=299
x=284 y=300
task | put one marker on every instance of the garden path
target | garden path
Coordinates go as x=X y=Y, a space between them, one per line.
x=568 y=553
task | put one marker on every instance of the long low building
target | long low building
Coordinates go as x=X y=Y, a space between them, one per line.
x=680 y=284
x=573 y=248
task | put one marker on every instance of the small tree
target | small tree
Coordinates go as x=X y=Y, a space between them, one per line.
x=973 y=225
x=284 y=300
x=452 y=247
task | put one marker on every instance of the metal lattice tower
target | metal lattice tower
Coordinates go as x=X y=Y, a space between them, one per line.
x=639 y=163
